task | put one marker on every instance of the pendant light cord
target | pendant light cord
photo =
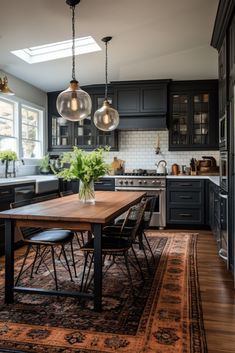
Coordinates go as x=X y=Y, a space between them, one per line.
x=73 y=42
x=106 y=71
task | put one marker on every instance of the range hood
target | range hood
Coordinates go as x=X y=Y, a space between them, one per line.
x=142 y=105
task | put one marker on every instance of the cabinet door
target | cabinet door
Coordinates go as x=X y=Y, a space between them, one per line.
x=179 y=131
x=200 y=122
x=128 y=100
x=103 y=138
x=222 y=79
x=153 y=99
x=193 y=116
x=61 y=133
x=232 y=56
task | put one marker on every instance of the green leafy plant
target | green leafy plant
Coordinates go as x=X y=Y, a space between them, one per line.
x=45 y=163
x=8 y=155
x=86 y=166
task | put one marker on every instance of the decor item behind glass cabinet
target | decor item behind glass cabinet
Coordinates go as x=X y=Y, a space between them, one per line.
x=73 y=104
x=106 y=118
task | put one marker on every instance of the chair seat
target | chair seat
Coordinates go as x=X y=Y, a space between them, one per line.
x=53 y=236
x=109 y=244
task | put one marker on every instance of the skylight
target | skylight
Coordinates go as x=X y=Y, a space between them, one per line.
x=57 y=50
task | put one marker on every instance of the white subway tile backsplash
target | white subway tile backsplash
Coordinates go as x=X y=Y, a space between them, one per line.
x=137 y=149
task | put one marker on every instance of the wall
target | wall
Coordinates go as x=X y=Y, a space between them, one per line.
x=137 y=149
x=26 y=91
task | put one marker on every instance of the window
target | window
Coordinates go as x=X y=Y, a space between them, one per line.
x=8 y=138
x=21 y=128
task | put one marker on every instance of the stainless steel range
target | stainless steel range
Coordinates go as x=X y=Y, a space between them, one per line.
x=154 y=185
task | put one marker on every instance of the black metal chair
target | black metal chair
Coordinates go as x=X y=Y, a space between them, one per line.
x=141 y=239
x=117 y=246
x=44 y=242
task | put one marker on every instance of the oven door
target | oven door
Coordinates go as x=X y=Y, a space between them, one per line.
x=158 y=218
x=224 y=170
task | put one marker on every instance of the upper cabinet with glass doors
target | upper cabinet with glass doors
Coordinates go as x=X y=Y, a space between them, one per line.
x=64 y=134
x=193 y=115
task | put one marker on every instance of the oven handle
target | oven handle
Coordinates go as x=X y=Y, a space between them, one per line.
x=137 y=189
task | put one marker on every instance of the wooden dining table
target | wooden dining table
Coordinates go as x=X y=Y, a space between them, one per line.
x=67 y=213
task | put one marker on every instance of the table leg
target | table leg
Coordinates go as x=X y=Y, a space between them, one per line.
x=9 y=261
x=97 y=231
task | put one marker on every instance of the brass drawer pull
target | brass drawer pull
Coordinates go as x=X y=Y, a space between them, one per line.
x=185 y=215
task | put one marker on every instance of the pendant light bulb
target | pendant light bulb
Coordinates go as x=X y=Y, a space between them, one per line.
x=73 y=104
x=106 y=118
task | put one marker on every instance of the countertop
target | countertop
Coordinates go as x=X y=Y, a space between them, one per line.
x=37 y=178
x=214 y=178
x=26 y=179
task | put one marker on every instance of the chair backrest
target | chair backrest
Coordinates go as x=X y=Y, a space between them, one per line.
x=150 y=207
x=135 y=216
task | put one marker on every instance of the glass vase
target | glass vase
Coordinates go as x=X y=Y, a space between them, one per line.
x=87 y=192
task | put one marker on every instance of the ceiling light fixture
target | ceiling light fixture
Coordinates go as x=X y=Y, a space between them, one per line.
x=106 y=118
x=4 y=87
x=73 y=104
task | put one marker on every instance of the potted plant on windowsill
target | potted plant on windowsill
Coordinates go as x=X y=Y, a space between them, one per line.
x=6 y=157
x=87 y=167
x=44 y=166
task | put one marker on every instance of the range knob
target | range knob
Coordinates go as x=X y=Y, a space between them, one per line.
x=140 y=181
x=126 y=182
x=154 y=182
x=145 y=181
x=120 y=182
x=131 y=182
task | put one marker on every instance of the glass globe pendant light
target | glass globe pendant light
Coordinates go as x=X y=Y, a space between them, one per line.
x=73 y=104
x=106 y=118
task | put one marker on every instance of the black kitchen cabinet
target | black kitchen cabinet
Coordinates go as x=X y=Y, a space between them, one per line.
x=214 y=211
x=193 y=115
x=102 y=184
x=231 y=50
x=6 y=197
x=185 y=202
x=222 y=79
x=64 y=134
x=141 y=104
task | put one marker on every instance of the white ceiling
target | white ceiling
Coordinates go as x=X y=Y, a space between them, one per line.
x=152 y=39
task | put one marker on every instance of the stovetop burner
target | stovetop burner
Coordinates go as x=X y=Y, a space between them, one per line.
x=143 y=172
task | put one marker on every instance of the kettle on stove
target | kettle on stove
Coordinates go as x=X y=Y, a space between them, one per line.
x=161 y=167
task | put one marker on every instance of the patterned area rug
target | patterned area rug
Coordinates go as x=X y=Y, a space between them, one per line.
x=164 y=317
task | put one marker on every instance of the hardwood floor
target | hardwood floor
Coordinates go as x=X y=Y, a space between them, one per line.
x=217 y=294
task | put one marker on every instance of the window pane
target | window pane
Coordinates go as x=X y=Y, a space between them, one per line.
x=6 y=118
x=7 y=143
x=31 y=149
x=6 y=127
x=6 y=110
x=29 y=117
x=29 y=132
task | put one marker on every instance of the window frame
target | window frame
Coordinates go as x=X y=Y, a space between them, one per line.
x=17 y=121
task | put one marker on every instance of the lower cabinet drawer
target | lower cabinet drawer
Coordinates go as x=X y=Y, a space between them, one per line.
x=185 y=197
x=187 y=215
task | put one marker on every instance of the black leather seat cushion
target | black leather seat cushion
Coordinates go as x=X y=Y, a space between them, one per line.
x=54 y=235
